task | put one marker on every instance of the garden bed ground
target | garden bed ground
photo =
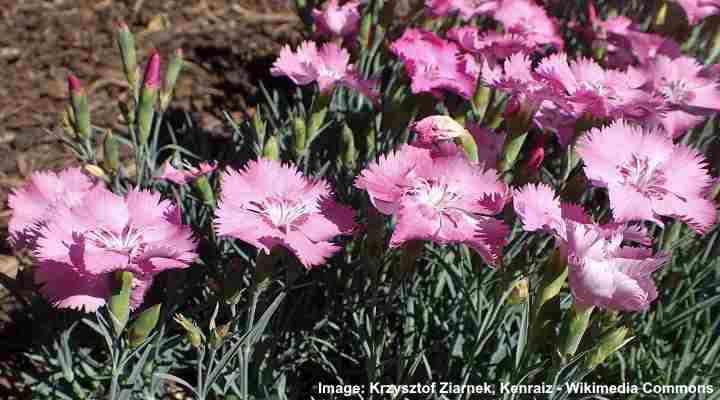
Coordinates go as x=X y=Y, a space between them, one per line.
x=229 y=46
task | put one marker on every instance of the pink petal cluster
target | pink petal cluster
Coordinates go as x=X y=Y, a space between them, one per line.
x=491 y=45
x=589 y=88
x=624 y=42
x=85 y=243
x=688 y=96
x=183 y=176
x=527 y=19
x=435 y=64
x=268 y=204
x=467 y=9
x=37 y=201
x=443 y=200
x=329 y=66
x=337 y=20
x=602 y=273
x=648 y=176
x=699 y=9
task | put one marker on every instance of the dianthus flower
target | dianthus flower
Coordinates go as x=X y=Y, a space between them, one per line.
x=467 y=9
x=329 y=66
x=37 y=201
x=529 y=20
x=592 y=89
x=84 y=244
x=434 y=64
x=689 y=95
x=336 y=20
x=268 y=204
x=187 y=174
x=490 y=45
x=648 y=176
x=602 y=273
x=699 y=9
x=443 y=200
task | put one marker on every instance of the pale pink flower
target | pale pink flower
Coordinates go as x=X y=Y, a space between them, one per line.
x=186 y=174
x=84 y=244
x=604 y=274
x=517 y=78
x=491 y=45
x=489 y=144
x=434 y=64
x=689 y=95
x=268 y=204
x=467 y=9
x=336 y=20
x=329 y=67
x=34 y=203
x=443 y=200
x=526 y=18
x=647 y=175
x=592 y=89
x=699 y=9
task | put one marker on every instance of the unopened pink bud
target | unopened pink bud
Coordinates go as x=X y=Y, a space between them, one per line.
x=537 y=154
x=74 y=84
x=151 y=79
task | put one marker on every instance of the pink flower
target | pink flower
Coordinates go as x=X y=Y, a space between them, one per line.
x=434 y=64
x=606 y=275
x=489 y=144
x=525 y=18
x=337 y=20
x=189 y=173
x=517 y=78
x=602 y=273
x=593 y=89
x=80 y=248
x=467 y=9
x=699 y=9
x=444 y=200
x=647 y=175
x=491 y=45
x=330 y=66
x=268 y=204
x=36 y=202
x=689 y=95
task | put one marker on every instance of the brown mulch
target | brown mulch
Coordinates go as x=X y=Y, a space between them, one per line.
x=229 y=46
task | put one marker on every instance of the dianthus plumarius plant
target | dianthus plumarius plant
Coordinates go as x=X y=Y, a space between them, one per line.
x=477 y=192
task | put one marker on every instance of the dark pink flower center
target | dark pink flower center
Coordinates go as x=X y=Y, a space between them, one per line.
x=642 y=175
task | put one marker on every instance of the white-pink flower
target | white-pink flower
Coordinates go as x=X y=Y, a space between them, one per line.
x=84 y=244
x=268 y=204
x=186 y=174
x=37 y=201
x=648 y=176
x=527 y=19
x=467 y=9
x=443 y=200
x=337 y=20
x=329 y=66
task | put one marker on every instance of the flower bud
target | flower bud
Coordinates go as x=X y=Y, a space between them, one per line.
x=81 y=110
x=202 y=185
x=171 y=76
x=148 y=96
x=126 y=44
x=141 y=327
x=271 y=149
x=317 y=114
x=607 y=345
x=192 y=331
x=111 y=152
x=259 y=126
x=119 y=303
x=519 y=293
x=573 y=329
x=347 y=143
x=96 y=171
x=299 y=135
